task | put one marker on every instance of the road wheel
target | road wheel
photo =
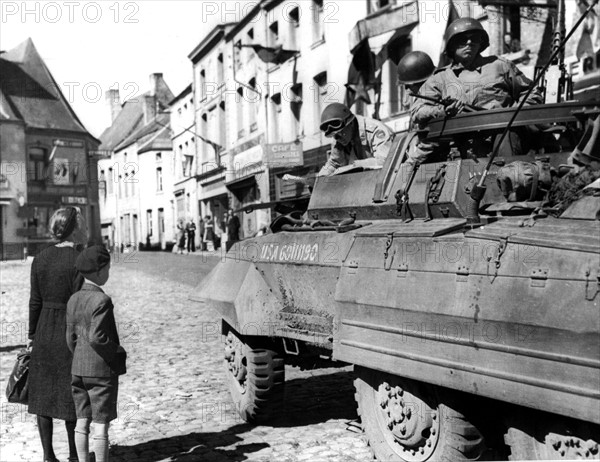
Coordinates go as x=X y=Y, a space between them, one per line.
x=404 y=420
x=555 y=440
x=256 y=376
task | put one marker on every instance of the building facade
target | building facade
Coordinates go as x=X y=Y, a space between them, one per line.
x=136 y=174
x=209 y=63
x=185 y=159
x=48 y=158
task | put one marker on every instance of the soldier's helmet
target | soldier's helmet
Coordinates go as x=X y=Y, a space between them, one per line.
x=334 y=118
x=462 y=25
x=415 y=67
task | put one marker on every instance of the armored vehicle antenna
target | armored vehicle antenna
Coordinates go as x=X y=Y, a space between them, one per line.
x=479 y=189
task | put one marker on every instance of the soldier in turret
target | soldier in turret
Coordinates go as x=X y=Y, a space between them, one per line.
x=472 y=80
x=358 y=140
x=413 y=70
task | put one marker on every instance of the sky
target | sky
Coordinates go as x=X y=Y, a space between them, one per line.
x=93 y=46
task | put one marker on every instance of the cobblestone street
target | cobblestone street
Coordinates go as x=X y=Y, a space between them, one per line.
x=174 y=404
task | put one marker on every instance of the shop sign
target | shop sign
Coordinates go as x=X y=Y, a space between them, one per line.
x=284 y=154
x=69 y=143
x=74 y=200
x=100 y=154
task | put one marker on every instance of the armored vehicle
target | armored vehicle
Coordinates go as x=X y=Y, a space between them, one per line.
x=464 y=332
x=464 y=292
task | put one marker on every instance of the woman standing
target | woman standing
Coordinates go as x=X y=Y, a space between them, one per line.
x=53 y=280
x=209 y=233
x=180 y=236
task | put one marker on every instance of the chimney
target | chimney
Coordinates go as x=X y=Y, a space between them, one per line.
x=155 y=81
x=149 y=108
x=113 y=101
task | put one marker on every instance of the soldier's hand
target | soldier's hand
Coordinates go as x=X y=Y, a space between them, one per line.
x=454 y=108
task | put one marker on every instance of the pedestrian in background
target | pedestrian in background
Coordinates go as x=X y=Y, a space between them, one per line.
x=233 y=229
x=201 y=234
x=98 y=357
x=190 y=229
x=180 y=236
x=209 y=233
x=53 y=280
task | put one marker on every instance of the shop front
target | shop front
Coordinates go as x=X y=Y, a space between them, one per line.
x=214 y=202
x=42 y=202
x=248 y=182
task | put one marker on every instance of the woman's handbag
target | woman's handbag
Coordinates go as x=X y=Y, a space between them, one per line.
x=17 y=389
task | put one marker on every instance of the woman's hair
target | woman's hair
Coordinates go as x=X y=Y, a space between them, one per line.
x=63 y=222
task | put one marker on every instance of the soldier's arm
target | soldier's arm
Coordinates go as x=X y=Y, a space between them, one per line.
x=423 y=111
x=521 y=84
x=336 y=160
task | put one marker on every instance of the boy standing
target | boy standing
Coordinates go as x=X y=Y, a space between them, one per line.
x=98 y=359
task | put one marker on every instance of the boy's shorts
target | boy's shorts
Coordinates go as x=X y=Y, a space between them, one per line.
x=95 y=397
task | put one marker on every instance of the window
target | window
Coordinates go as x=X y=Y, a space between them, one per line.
x=250 y=34
x=120 y=187
x=222 y=123
x=37 y=164
x=203 y=131
x=252 y=98
x=275 y=117
x=149 y=222
x=296 y=107
x=158 y=157
x=294 y=22
x=317 y=21
x=201 y=85
x=273 y=34
x=220 y=70
x=320 y=96
x=187 y=165
x=159 y=179
x=237 y=48
x=240 y=113
x=110 y=181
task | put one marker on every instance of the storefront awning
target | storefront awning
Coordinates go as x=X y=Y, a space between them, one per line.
x=241 y=183
x=5 y=202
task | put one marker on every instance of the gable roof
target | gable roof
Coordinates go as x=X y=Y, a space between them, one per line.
x=144 y=133
x=129 y=124
x=29 y=92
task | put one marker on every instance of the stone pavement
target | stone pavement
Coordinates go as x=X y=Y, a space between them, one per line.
x=173 y=402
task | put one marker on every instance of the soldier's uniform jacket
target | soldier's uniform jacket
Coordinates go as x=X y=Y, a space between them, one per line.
x=375 y=140
x=494 y=83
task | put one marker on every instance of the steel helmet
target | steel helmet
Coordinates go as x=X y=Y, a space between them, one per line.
x=415 y=67
x=335 y=117
x=466 y=25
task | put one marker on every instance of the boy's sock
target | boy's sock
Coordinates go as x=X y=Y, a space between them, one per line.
x=101 y=447
x=82 y=431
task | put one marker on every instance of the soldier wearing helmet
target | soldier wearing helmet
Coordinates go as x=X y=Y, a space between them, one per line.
x=413 y=70
x=471 y=79
x=357 y=140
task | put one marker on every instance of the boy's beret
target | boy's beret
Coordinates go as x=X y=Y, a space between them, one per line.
x=92 y=259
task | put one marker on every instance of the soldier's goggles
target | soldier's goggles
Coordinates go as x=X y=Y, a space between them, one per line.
x=331 y=127
x=463 y=39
